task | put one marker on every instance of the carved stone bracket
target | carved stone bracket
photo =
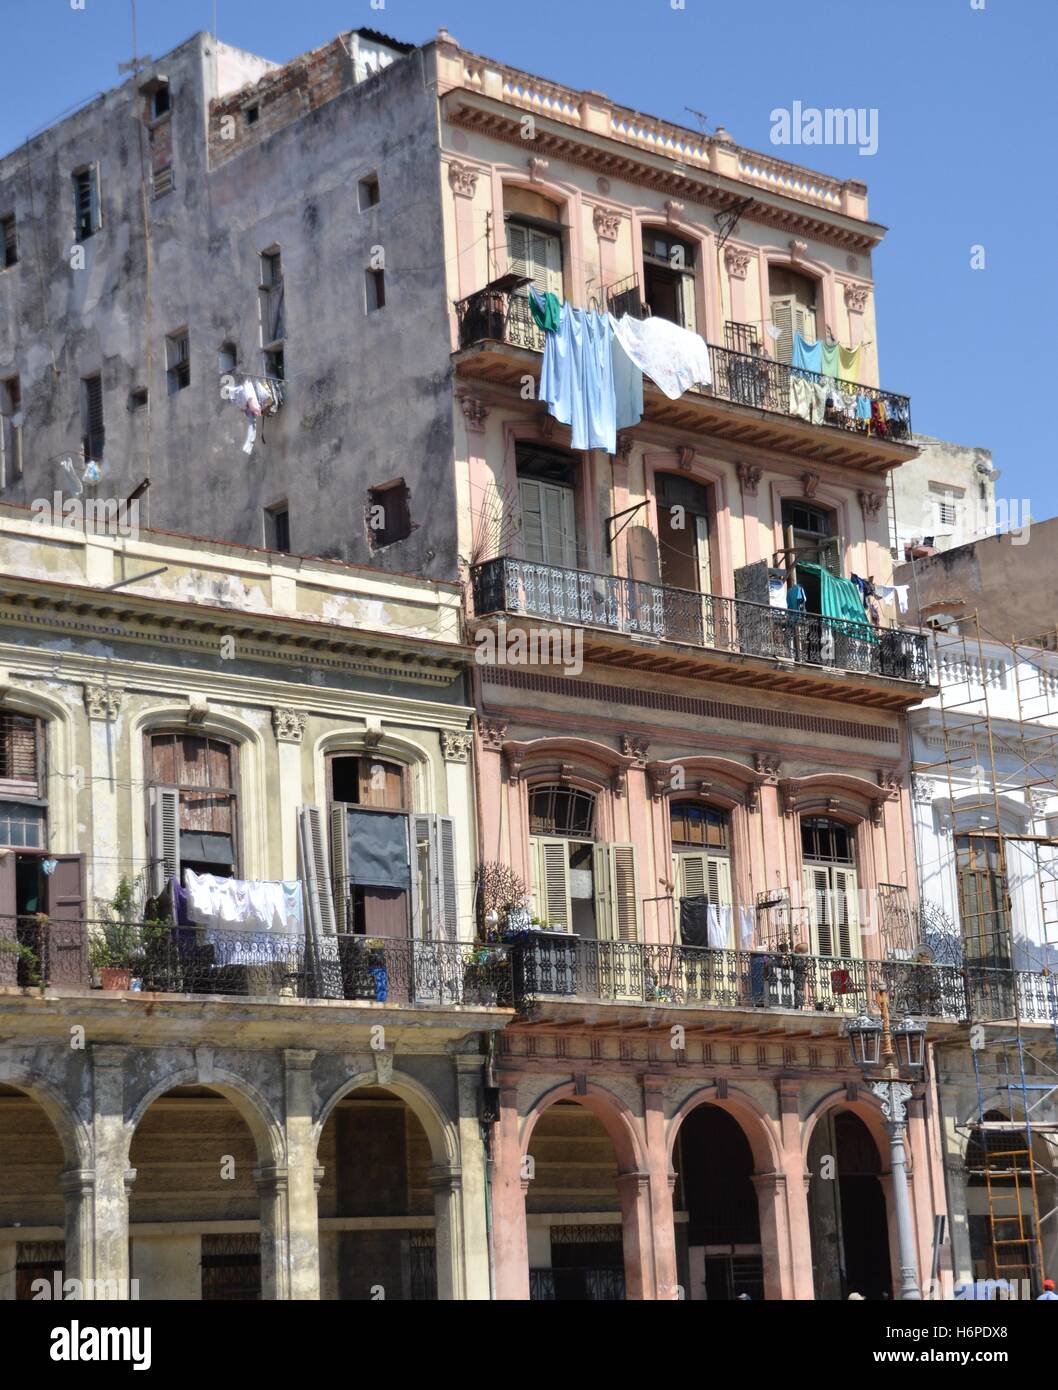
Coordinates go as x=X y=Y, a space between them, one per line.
x=619 y=782
x=475 y=413
x=749 y=476
x=787 y=796
x=102 y=701
x=607 y=223
x=538 y=168
x=288 y=724
x=856 y=298
x=455 y=747
x=871 y=503
x=493 y=732
x=514 y=758
x=462 y=179
x=810 y=482
x=673 y=210
x=624 y=445
x=686 y=454
x=737 y=262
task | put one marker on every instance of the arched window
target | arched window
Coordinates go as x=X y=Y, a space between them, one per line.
x=193 y=802
x=793 y=302
x=579 y=885
x=668 y=277
x=831 y=891
x=701 y=873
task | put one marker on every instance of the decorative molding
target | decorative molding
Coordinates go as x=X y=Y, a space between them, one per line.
x=607 y=223
x=514 y=758
x=475 y=413
x=102 y=701
x=624 y=445
x=810 y=482
x=673 y=210
x=768 y=765
x=636 y=748
x=753 y=797
x=871 y=503
x=462 y=179
x=492 y=733
x=878 y=814
x=619 y=782
x=197 y=711
x=923 y=789
x=546 y=428
x=797 y=248
x=749 y=476
x=737 y=261
x=288 y=724
x=455 y=747
x=856 y=298
x=383 y=1068
x=538 y=168
x=686 y=454
x=889 y=780
x=660 y=782
x=787 y=796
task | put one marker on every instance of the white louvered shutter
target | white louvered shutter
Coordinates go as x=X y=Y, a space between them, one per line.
x=783 y=308
x=165 y=836
x=818 y=902
x=805 y=319
x=690 y=876
x=624 y=892
x=315 y=869
x=550 y=860
x=846 y=911
x=340 y=866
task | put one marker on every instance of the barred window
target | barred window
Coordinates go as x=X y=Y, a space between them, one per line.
x=698 y=827
x=826 y=841
x=557 y=810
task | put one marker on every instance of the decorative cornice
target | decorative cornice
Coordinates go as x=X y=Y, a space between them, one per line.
x=288 y=724
x=463 y=179
x=455 y=747
x=737 y=261
x=102 y=702
x=607 y=223
x=749 y=476
x=475 y=413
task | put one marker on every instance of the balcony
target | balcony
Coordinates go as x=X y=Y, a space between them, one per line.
x=657 y=613
x=496 y=316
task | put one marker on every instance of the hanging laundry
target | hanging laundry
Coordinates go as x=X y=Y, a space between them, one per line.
x=746 y=926
x=576 y=379
x=776 y=593
x=674 y=358
x=808 y=399
x=546 y=309
x=796 y=598
x=902 y=599
x=627 y=382
x=849 y=364
x=863 y=409
x=830 y=359
x=719 y=924
x=807 y=356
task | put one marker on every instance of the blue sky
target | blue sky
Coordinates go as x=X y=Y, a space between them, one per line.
x=964 y=159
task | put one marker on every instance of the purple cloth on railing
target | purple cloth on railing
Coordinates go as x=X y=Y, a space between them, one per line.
x=179 y=893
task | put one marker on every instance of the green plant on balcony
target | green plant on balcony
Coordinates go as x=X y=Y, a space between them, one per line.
x=26 y=960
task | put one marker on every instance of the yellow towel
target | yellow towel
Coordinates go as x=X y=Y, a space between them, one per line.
x=849 y=364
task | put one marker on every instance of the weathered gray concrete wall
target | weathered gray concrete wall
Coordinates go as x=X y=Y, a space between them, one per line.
x=367 y=395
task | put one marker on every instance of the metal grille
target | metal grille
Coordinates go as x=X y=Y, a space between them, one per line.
x=422 y=1258
x=231 y=1268
x=18 y=748
x=741 y=337
x=37 y=1259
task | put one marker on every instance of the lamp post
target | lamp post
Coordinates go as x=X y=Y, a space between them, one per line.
x=890 y=1056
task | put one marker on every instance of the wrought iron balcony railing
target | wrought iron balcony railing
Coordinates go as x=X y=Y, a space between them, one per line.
x=193 y=960
x=750 y=379
x=634 y=606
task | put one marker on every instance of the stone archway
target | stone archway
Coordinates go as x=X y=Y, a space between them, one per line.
x=847 y=1155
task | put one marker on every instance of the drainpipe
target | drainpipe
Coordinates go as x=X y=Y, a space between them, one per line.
x=486 y=1137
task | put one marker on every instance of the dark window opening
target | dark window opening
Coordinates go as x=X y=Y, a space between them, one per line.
x=389 y=513
x=253 y=115
x=93 y=433
x=668 y=278
x=178 y=361
x=277 y=528
x=376 y=290
x=227 y=357
x=826 y=841
x=202 y=770
x=138 y=398
x=10 y=430
x=362 y=780
x=814 y=543
x=368 y=192
x=275 y=363
x=695 y=826
x=8 y=241
x=161 y=103
x=86 y=203
x=231 y=1268
x=983 y=898
x=558 y=810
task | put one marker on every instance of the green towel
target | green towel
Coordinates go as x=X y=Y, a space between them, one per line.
x=830 y=359
x=546 y=310
x=840 y=599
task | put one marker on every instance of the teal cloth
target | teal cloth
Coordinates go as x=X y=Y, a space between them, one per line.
x=831 y=364
x=840 y=599
x=807 y=356
x=545 y=309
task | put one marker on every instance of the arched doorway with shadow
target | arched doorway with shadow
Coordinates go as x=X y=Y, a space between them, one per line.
x=32 y=1218
x=847 y=1210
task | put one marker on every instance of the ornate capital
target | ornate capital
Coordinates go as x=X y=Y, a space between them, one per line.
x=455 y=747
x=607 y=222
x=922 y=789
x=102 y=701
x=475 y=413
x=463 y=179
x=538 y=168
x=493 y=732
x=768 y=765
x=737 y=262
x=871 y=503
x=749 y=476
x=810 y=482
x=636 y=748
x=856 y=298
x=288 y=724
x=889 y=780
x=894 y=1096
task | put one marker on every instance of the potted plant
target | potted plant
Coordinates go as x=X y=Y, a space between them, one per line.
x=114 y=951
x=27 y=962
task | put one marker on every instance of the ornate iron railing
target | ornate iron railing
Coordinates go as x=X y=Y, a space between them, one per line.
x=509 y=585
x=573 y=1285
x=750 y=379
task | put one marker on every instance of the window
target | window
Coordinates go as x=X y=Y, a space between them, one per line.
x=375 y=290
x=814 y=541
x=162 y=181
x=273 y=312
x=178 y=361
x=696 y=826
x=8 y=242
x=277 y=527
x=547 y=497
x=668 y=277
x=93 y=434
x=22 y=782
x=792 y=299
x=161 y=103
x=388 y=513
x=227 y=357
x=831 y=892
x=684 y=509
x=10 y=430
x=139 y=397
x=534 y=239
x=193 y=804
x=558 y=810
x=701 y=870
x=86 y=203
x=253 y=114
x=983 y=905
x=368 y=193
x=946 y=502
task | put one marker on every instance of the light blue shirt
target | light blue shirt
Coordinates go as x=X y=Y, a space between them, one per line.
x=577 y=379
x=808 y=356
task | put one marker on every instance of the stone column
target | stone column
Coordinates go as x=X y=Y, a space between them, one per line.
x=662 y=1181
x=109 y=1204
x=446 y=1182
x=289 y=727
x=78 y=1188
x=272 y=1193
x=302 y=1220
x=771 y=1190
x=795 y=1265
x=510 y=1242
x=474 y=1252
x=640 y=1275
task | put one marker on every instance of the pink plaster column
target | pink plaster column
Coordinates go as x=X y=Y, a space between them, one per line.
x=662 y=1180
x=799 y=1281
x=634 y=1190
x=926 y=1199
x=510 y=1243
x=775 y=1245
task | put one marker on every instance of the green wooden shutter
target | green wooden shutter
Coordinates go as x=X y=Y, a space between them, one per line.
x=550 y=863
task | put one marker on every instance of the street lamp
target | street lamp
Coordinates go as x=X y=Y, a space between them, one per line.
x=889 y=1057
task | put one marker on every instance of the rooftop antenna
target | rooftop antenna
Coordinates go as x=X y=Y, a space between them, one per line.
x=136 y=63
x=700 y=117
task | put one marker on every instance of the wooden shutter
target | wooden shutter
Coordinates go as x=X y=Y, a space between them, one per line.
x=340 y=866
x=691 y=875
x=687 y=308
x=315 y=870
x=805 y=319
x=550 y=860
x=559 y=526
x=165 y=836
x=783 y=309
x=518 y=249
x=532 y=520
x=439 y=895
x=818 y=902
x=616 y=893
x=846 y=900
x=67 y=939
x=8 y=921
x=446 y=841
x=701 y=535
